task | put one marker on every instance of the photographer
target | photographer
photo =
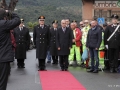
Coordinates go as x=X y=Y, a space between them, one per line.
x=6 y=52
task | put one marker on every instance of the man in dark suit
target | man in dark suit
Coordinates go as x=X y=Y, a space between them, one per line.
x=113 y=44
x=41 y=41
x=64 y=44
x=53 y=47
x=6 y=52
x=94 y=39
x=22 y=39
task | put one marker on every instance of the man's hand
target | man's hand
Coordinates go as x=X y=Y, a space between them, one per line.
x=96 y=48
x=73 y=40
x=59 y=48
x=6 y=10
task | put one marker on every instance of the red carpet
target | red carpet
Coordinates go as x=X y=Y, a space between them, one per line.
x=59 y=80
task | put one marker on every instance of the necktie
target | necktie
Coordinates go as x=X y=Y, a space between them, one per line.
x=64 y=30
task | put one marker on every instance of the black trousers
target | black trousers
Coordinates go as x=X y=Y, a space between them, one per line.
x=113 y=57
x=20 y=62
x=4 y=73
x=63 y=61
x=55 y=59
x=41 y=63
x=106 y=62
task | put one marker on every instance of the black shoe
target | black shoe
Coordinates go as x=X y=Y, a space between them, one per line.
x=95 y=71
x=48 y=61
x=53 y=63
x=112 y=70
x=42 y=69
x=66 y=69
x=22 y=66
x=62 y=69
x=19 y=66
x=91 y=70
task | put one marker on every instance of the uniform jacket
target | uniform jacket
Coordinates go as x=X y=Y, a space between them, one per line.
x=64 y=41
x=94 y=38
x=6 y=52
x=41 y=40
x=115 y=40
x=22 y=40
x=53 y=47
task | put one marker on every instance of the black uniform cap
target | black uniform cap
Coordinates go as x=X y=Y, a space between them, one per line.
x=115 y=16
x=41 y=17
x=55 y=21
x=22 y=20
x=74 y=21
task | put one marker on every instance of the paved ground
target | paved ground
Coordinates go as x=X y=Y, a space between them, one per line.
x=28 y=79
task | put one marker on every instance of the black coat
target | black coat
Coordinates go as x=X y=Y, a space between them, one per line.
x=53 y=47
x=41 y=41
x=115 y=40
x=64 y=41
x=6 y=52
x=94 y=38
x=22 y=40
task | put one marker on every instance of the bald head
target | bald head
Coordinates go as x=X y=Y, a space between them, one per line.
x=86 y=22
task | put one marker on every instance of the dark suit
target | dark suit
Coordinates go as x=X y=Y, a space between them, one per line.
x=113 y=45
x=41 y=41
x=53 y=47
x=64 y=42
x=22 y=40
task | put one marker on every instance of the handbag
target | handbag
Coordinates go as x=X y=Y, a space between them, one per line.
x=85 y=55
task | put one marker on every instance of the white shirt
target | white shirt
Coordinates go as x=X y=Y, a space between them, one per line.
x=21 y=28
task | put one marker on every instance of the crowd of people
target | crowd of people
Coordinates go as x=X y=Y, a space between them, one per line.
x=63 y=45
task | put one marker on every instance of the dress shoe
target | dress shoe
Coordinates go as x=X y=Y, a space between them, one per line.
x=112 y=70
x=19 y=66
x=95 y=71
x=66 y=69
x=22 y=66
x=62 y=69
x=53 y=63
x=42 y=69
x=91 y=70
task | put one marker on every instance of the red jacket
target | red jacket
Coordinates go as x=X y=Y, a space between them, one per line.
x=78 y=37
x=13 y=40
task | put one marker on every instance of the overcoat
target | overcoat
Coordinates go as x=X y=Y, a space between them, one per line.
x=22 y=40
x=41 y=40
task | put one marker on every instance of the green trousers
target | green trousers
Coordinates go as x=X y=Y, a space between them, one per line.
x=75 y=50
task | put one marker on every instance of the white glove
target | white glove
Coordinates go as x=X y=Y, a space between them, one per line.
x=106 y=46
